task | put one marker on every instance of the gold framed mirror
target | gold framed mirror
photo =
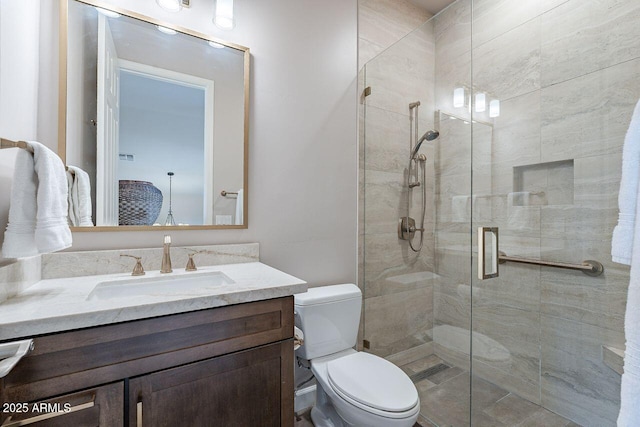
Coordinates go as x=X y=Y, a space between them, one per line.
x=156 y=116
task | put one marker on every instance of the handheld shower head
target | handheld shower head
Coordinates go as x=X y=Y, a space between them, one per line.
x=428 y=136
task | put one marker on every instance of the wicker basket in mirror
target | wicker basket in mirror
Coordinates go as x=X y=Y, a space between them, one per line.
x=139 y=203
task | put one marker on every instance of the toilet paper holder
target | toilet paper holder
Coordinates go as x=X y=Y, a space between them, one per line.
x=298 y=338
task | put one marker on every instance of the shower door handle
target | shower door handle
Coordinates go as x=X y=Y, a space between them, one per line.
x=488 y=262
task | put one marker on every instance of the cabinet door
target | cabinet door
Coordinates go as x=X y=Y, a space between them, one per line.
x=249 y=388
x=101 y=406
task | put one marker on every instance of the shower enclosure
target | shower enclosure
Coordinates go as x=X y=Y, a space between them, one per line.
x=532 y=101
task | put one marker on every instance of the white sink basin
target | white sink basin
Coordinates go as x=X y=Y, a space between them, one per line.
x=170 y=285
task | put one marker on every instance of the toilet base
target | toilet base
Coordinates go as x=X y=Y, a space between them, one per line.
x=323 y=414
x=342 y=414
x=321 y=420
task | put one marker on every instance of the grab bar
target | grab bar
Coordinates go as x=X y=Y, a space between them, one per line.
x=588 y=267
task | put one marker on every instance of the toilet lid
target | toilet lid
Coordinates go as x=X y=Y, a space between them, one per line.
x=372 y=381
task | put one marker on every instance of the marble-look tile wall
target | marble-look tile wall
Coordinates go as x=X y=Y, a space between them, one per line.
x=567 y=73
x=397 y=283
x=381 y=23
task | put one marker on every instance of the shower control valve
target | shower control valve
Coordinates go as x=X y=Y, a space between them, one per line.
x=407 y=228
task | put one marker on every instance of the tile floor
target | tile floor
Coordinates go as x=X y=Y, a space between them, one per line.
x=304 y=420
x=444 y=401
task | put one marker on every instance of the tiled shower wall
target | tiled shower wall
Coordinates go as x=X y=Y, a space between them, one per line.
x=397 y=283
x=547 y=173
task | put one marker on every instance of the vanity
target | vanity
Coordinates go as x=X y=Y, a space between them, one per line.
x=221 y=355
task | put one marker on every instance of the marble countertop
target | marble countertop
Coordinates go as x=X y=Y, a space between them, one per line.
x=62 y=304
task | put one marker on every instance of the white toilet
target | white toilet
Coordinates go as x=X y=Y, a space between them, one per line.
x=353 y=388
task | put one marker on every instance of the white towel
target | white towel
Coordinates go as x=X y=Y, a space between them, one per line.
x=622 y=241
x=625 y=248
x=519 y=198
x=52 y=228
x=481 y=206
x=79 y=197
x=520 y=216
x=38 y=223
x=19 y=237
x=240 y=207
x=460 y=208
x=629 y=415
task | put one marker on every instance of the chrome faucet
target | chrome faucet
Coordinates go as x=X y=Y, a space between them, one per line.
x=166 y=255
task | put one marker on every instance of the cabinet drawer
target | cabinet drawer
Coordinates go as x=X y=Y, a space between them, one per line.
x=83 y=358
x=101 y=406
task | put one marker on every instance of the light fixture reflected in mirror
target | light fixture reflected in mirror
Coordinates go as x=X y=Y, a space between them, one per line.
x=458 y=97
x=170 y=5
x=494 y=108
x=223 y=14
x=216 y=45
x=108 y=13
x=463 y=97
x=170 y=220
x=481 y=102
x=166 y=30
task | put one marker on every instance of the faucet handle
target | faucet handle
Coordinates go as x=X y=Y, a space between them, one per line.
x=191 y=265
x=138 y=270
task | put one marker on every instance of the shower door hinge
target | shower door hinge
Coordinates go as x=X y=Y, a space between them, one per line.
x=366 y=344
x=367 y=91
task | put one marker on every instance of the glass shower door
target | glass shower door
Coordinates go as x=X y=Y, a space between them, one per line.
x=416 y=302
x=556 y=88
x=532 y=101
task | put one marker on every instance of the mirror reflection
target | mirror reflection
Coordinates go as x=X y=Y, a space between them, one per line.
x=156 y=118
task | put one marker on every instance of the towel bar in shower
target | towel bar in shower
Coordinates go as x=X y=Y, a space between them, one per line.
x=588 y=267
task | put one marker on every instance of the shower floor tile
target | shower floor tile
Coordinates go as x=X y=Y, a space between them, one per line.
x=444 y=399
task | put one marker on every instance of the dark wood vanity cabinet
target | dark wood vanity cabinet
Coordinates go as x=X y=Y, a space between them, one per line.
x=99 y=406
x=227 y=366
x=245 y=387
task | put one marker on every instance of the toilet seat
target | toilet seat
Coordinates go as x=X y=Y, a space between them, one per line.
x=372 y=384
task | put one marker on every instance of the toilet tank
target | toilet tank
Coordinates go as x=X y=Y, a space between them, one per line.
x=329 y=317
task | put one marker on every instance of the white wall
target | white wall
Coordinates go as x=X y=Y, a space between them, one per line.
x=302 y=155
x=18 y=85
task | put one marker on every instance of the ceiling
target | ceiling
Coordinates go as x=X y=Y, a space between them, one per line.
x=432 y=6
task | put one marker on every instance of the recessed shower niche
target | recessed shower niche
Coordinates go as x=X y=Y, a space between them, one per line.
x=543 y=184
